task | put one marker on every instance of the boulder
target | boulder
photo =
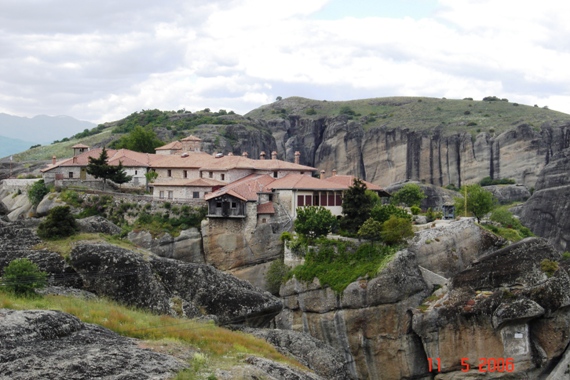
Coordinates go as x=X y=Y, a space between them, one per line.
x=506 y=194
x=46 y=204
x=436 y=196
x=47 y=344
x=326 y=361
x=98 y=224
x=171 y=287
x=186 y=247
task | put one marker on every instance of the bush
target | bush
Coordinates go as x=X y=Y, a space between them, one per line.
x=415 y=210
x=410 y=195
x=276 y=275
x=314 y=221
x=22 y=277
x=382 y=213
x=395 y=230
x=58 y=224
x=549 y=267
x=487 y=181
x=311 y=111
x=37 y=192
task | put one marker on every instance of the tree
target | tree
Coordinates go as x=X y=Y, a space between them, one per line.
x=410 y=195
x=382 y=213
x=371 y=230
x=58 y=224
x=22 y=277
x=37 y=192
x=100 y=168
x=120 y=176
x=275 y=276
x=314 y=221
x=279 y=98
x=356 y=206
x=477 y=201
x=395 y=230
x=140 y=140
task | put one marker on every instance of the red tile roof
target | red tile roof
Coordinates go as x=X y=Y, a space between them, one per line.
x=266 y=208
x=191 y=138
x=240 y=162
x=247 y=187
x=304 y=182
x=128 y=158
x=190 y=160
x=170 y=146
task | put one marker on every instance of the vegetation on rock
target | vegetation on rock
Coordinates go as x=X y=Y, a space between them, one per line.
x=58 y=223
x=276 y=275
x=23 y=277
x=487 y=181
x=100 y=168
x=140 y=140
x=395 y=230
x=313 y=222
x=37 y=192
x=477 y=201
x=356 y=207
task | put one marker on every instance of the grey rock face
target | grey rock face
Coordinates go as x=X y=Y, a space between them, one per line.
x=98 y=224
x=186 y=247
x=54 y=345
x=47 y=204
x=546 y=212
x=325 y=360
x=160 y=284
x=506 y=194
x=435 y=198
x=504 y=305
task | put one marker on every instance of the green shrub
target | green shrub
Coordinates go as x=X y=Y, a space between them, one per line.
x=58 y=224
x=395 y=230
x=487 y=181
x=410 y=194
x=415 y=210
x=382 y=213
x=549 y=267
x=71 y=198
x=23 y=277
x=276 y=275
x=37 y=192
x=311 y=111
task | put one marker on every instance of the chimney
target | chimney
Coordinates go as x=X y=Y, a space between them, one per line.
x=244 y=154
x=297 y=157
x=334 y=172
x=322 y=174
x=274 y=155
x=74 y=159
x=53 y=160
x=262 y=155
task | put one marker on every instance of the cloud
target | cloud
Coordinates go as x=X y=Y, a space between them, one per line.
x=103 y=60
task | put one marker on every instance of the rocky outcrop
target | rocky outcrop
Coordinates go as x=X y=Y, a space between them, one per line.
x=98 y=224
x=312 y=353
x=545 y=213
x=385 y=156
x=185 y=247
x=506 y=194
x=50 y=201
x=157 y=284
x=369 y=321
x=171 y=287
x=506 y=305
x=38 y=344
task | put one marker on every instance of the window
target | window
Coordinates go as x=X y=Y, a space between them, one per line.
x=339 y=199
x=263 y=220
x=222 y=176
x=169 y=173
x=210 y=175
x=185 y=173
x=161 y=195
x=218 y=204
x=309 y=200
x=330 y=201
x=170 y=194
x=70 y=174
x=275 y=174
x=300 y=200
x=316 y=199
x=196 y=194
x=234 y=204
x=324 y=199
x=136 y=172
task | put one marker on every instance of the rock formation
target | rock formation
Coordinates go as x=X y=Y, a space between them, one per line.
x=45 y=344
x=386 y=156
x=507 y=305
x=545 y=213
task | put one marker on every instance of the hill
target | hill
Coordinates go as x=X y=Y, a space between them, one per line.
x=10 y=146
x=419 y=113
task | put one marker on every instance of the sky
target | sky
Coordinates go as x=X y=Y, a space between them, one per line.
x=103 y=60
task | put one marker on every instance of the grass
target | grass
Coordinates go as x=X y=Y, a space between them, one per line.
x=420 y=113
x=337 y=263
x=218 y=347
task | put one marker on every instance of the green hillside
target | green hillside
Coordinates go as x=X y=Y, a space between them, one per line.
x=418 y=113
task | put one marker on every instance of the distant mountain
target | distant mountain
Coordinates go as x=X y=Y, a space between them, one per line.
x=10 y=146
x=41 y=129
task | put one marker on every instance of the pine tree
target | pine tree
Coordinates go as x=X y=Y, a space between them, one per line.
x=100 y=168
x=356 y=206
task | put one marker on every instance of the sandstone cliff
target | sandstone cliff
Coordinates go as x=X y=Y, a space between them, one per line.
x=389 y=155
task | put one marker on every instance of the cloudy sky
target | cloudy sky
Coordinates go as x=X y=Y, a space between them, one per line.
x=100 y=60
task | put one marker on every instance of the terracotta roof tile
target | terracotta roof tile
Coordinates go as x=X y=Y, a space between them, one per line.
x=193 y=160
x=347 y=180
x=240 y=162
x=173 y=145
x=247 y=187
x=266 y=208
x=304 y=182
x=196 y=182
x=79 y=146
